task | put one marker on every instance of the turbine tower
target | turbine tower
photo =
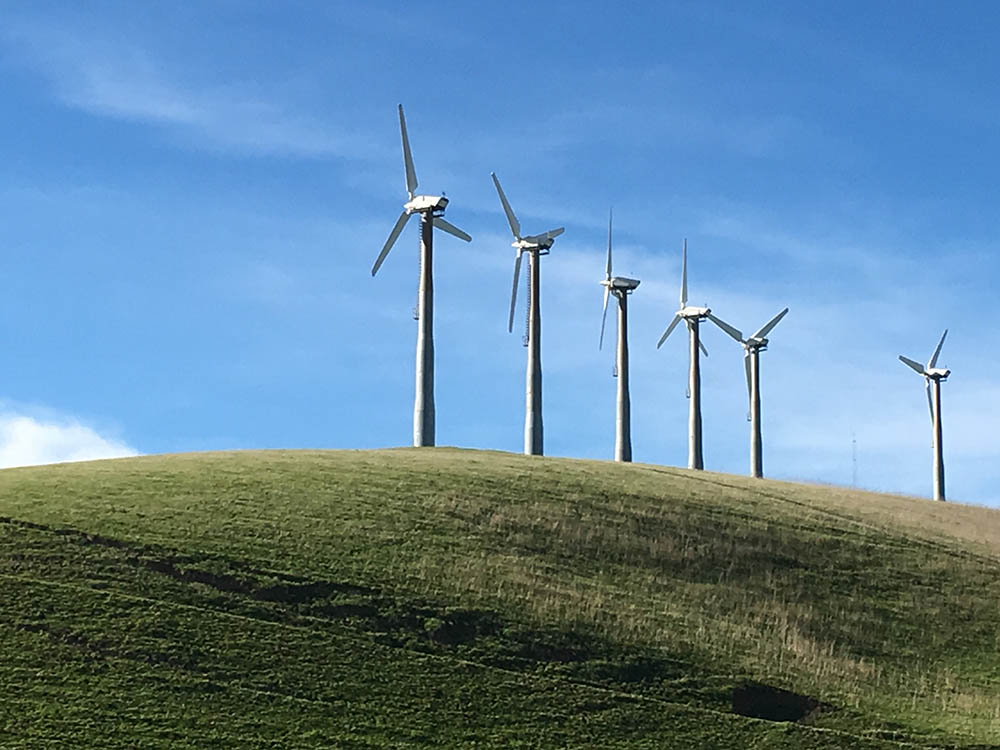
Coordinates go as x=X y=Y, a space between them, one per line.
x=934 y=374
x=536 y=246
x=752 y=347
x=621 y=287
x=693 y=316
x=431 y=210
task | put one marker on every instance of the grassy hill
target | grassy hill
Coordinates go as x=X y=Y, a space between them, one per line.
x=443 y=597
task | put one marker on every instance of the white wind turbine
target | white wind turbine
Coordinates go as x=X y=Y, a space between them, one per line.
x=934 y=374
x=753 y=346
x=693 y=316
x=431 y=210
x=621 y=287
x=536 y=246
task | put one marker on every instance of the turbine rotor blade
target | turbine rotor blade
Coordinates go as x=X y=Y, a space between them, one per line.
x=604 y=316
x=767 y=327
x=930 y=401
x=702 y=347
x=670 y=329
x=608 y=269
x=513 y=292
x=450 y=228
x=735 y=333
x=684 y=275
x=746 y=366
x=515 y=225
x=411 y=173
x=393 y=235
x=916 y=366
x=937 y=351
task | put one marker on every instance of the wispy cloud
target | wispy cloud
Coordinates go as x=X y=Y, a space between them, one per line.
x=126 y=81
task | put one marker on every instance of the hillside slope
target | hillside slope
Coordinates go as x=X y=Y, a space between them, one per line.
x=442 y=597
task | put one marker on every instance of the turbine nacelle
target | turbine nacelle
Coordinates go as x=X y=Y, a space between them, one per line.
x=419 y=204
x=694 y=313
x=541 y=243
x=753 y=342
x=620 y=284
x=932 y=373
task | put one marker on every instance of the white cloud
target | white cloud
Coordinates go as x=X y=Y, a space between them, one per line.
x=26 y=441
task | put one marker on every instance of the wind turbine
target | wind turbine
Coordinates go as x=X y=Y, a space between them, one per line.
x=431 y=210
x=536 y=246
x=693 y=316
x=621 y=287
x=752 y=347
x=935 y=374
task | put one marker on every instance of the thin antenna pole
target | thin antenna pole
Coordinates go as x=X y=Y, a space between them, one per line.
x=854 y=460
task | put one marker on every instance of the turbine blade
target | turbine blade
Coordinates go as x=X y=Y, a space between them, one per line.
x=684 y=275
x=937 y=351
x=767 y=327
x=930 y=401
x=393 y=235
x=513 y=292
x=735 y=333
x=608 y=269
x=411 y=173
x=702 y=347
x=604 y=316
x=746 y=366
x=515 y=225
x=919 y=368
x=450 y=228
x=670 y=329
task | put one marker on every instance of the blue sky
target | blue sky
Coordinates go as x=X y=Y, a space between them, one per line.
x=193 y=195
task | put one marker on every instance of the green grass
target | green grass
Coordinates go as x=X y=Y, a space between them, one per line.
x=469 y=599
